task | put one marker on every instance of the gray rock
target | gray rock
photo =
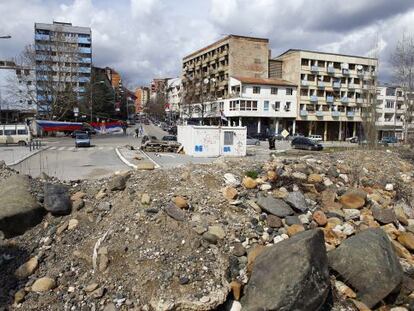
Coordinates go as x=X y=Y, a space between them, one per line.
x=297 y=200
x=384 y=215
x=174 y=212
x=274 y=206
x=104 y=206
x=19 y=209
x=292 y=220
x=57 y=200
x=210 y=238
x=368 y=264
x=118 y=182
x=291 y=275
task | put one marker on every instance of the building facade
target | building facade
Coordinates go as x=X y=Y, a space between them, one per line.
x=332 y=90
x=63 y=60
x=17 y=92
x=206 y=73
x=264 y=106
x=142 y=98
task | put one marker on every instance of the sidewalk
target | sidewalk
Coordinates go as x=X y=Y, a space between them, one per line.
x=13 y=155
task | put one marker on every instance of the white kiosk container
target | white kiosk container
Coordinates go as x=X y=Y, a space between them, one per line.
x=212 y=141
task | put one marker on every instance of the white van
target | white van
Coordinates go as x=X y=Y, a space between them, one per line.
x=316 y=138
x=14 y=134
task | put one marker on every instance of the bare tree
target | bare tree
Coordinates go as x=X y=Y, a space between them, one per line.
x=402 y=60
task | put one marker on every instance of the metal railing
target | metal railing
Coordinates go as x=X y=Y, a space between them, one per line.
x=34 y=144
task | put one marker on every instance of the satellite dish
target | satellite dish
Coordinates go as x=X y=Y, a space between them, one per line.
x=205 y=81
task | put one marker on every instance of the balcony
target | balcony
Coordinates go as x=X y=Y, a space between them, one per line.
x=360 y=73
x=314 y=68
x=351 y=86
x=303 y=113
x=331 y=70
x=84 y=79
x=359 y=100
x=85 y=60
x=39 y=36
x=84 y=40
x=336 y=85
x=345 y=100
x=313 y=98
x=330 y=99
x=350 y=114
x=345 y=71
x=321 y=84
x=304 y=83
x=85 y=50
x=335 y=114
x=319 y=113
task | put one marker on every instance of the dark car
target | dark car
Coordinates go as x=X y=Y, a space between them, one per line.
x=169 y=138
x=388 y=140
x=305 y=144
x=260 y=136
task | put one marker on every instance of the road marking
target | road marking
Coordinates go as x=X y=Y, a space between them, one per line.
x=61 y=148
x=71 y=148
x=53 y=148
x=101 y=148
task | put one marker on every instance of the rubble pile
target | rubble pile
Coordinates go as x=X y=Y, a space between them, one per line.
x=332 y=231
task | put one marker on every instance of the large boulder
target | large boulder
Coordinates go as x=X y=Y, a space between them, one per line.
x=57 y=199
x=291 y=275
x=118 y=182
x=19 y=209
x=368 y=264
x=274 y=206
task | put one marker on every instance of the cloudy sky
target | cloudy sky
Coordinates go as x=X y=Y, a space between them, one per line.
x=143 y=39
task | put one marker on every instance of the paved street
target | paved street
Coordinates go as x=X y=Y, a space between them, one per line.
x=66 y=162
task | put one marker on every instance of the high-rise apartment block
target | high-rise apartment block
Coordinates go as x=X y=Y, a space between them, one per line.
x=63 y=60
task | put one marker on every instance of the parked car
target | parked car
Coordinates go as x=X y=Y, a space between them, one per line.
x=305 y=143
x=316 y=138
x=388 y=140
x=353 y=139
x=251 y=141
x=15 y=134
x=82 y=140
x=169 y=138
x=260 y=136
x=89 y=131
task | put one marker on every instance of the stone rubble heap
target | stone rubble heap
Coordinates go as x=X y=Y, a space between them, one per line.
x=319 y=232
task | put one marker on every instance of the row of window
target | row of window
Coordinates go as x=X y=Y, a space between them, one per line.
x=251 y=105
x=66 y=34
x=211 y=53
x=273 y=90
x=336 y=65
x=13 y=132
x=329 y=79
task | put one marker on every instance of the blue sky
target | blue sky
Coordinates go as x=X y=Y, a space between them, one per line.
x=143 y=39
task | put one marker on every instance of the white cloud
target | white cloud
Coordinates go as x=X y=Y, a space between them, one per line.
x=143 y=39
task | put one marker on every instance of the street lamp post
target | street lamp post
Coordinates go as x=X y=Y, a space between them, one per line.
x=98 y=82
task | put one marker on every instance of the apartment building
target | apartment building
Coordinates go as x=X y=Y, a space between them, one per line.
x=142 y=98
x=63 y=59
x=158 y=85
x=206 y=72
x=391 y=112
x=17 y=92
x=332 y=89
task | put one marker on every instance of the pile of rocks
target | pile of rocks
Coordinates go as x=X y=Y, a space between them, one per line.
x=330 y=230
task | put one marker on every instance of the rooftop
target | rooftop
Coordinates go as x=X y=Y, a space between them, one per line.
x=260 y=81
x=318 y=52
x=223 y=40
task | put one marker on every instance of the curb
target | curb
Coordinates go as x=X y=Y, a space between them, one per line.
x=156 y=165
x=27 y=156
x=125 y=161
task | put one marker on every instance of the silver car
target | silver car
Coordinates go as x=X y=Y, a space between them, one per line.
x=250 y=141
x=82 y=140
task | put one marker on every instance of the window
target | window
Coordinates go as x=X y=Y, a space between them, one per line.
x=1 y=132
x=248 y=105
x=266 y=105
x=9 y=132
x=228 y=138
x=22 y=132
x=273 y=90
x=287 y=106
x=277 y=106
x=233 y=105
x=389 y=104
x=289 y=91
x=256 y=89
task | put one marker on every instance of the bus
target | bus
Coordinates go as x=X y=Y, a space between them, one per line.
x=15 y=134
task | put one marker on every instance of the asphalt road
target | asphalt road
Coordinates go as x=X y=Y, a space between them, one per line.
x=66 y=162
